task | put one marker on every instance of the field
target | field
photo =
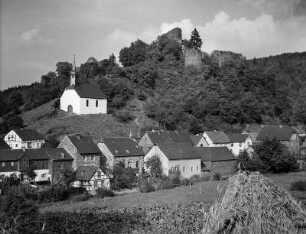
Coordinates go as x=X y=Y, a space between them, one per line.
x=206 y=192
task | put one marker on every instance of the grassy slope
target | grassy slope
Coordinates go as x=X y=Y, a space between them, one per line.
x=203 y=192
x=97 y=126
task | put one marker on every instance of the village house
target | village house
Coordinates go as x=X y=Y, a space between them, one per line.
x=91 y=178
x=151 y=138
x=83 y=98
x=24 y=139
x=122 y=149
x=239 y=143
x=217 y=160
x=214 y=139
x=197 y=140
x=180 y=157
x=284 y=134
x=252 y=131
x=49 y=163
x=13 y=162
x=84 y=151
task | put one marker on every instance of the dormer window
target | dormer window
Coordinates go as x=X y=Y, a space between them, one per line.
x=87 y=102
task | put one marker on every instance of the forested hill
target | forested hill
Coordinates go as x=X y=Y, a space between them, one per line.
x=265 y=90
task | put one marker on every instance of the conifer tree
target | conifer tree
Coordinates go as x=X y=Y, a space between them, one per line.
x=195 y=41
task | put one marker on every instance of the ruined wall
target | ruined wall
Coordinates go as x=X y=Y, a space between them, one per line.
x=193 y=57
x=222 y=57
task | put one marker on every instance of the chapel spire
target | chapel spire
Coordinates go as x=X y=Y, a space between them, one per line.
x=73 y=72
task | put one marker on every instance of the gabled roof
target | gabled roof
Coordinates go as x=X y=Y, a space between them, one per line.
x=28 y=134
x=214 y=154
x=3 y=145
x=253 y=128
x=218 y=137
x=11 y=155
x=85 y=173
x=160 y=137
x=237 y=137
x=48 y=153
x=88 y=90
x=178 y=151
x=84 y=144
x=195 y=139
x=279 y=132
x=123 y=147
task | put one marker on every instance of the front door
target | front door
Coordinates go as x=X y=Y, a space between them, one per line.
x=70 y=109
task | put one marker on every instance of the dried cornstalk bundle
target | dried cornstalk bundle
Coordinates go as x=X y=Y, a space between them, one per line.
x=254 y=204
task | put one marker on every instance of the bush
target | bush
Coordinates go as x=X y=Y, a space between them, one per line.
x=104 y=192
x=81 y=197
x=123 y=177
x=142 y=97
x=146 y=187
x=124 y=116
x=216 y=176
x=299 y=185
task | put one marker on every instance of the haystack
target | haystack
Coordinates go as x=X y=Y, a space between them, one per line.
x=254 y=204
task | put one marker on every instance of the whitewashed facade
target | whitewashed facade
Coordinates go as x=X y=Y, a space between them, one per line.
x=16 y=141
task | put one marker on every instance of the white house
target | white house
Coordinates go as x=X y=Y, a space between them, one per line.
x=214 y=139
x=91 y=178
x=239 y=142
x=83 y=98
x=24 y=139
x=176 y=157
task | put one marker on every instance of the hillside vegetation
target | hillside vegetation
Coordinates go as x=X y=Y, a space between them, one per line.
x=266 y=90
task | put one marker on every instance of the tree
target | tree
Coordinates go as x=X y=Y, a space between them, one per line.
x=275 y=156
x=155 y=167
x=195 y=41
x=122 y=177
x=31 y=172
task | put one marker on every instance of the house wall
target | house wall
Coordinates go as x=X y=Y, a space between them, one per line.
x=90 y=160
x=146 y=143
x=10 y=173
x=222 y=167
x=15 y=142
x=131 y=162
x=237 y=147
x=155 y=151
x=188 y=168
x=72 y=150
x=92 y=108
x=42 y=175
x=202 y=143
x=9 y=166
x=110 y=159
x=70 y=97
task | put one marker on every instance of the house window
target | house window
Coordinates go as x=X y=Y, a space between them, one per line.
x=183 y=168
x=37 y=145
x=16 y=145
x=12 y=164
x=137 y=164
x=95 y=183
x=201 y=145
x=3 y=164
x=43 y=175
x=232 y=145
x=191 y=168
x=61 y=166
x=97 y=103
x=197 y=168
x=129 y=164
x=240 y=144
x=29 y=145
x=87 y=102
x=99 y=174
x=92 y=158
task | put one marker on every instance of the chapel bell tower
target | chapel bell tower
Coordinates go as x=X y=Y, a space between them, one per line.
x=73 y=72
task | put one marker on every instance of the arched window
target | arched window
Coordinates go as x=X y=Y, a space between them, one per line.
x=97 y=103
x=87 y=102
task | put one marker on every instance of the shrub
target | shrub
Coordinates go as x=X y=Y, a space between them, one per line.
x=142 y=97
x=124 y=116
x=81 y=197
x=123 y=177
x=216 y=176
x=299 y=185
x=146 y=187
x=104 y=192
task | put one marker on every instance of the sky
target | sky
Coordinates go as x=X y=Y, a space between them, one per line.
x=36 y=34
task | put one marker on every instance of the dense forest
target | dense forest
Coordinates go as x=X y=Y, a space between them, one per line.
x=262 y=90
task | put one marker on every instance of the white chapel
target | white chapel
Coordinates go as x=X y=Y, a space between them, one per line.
x=85 y=98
